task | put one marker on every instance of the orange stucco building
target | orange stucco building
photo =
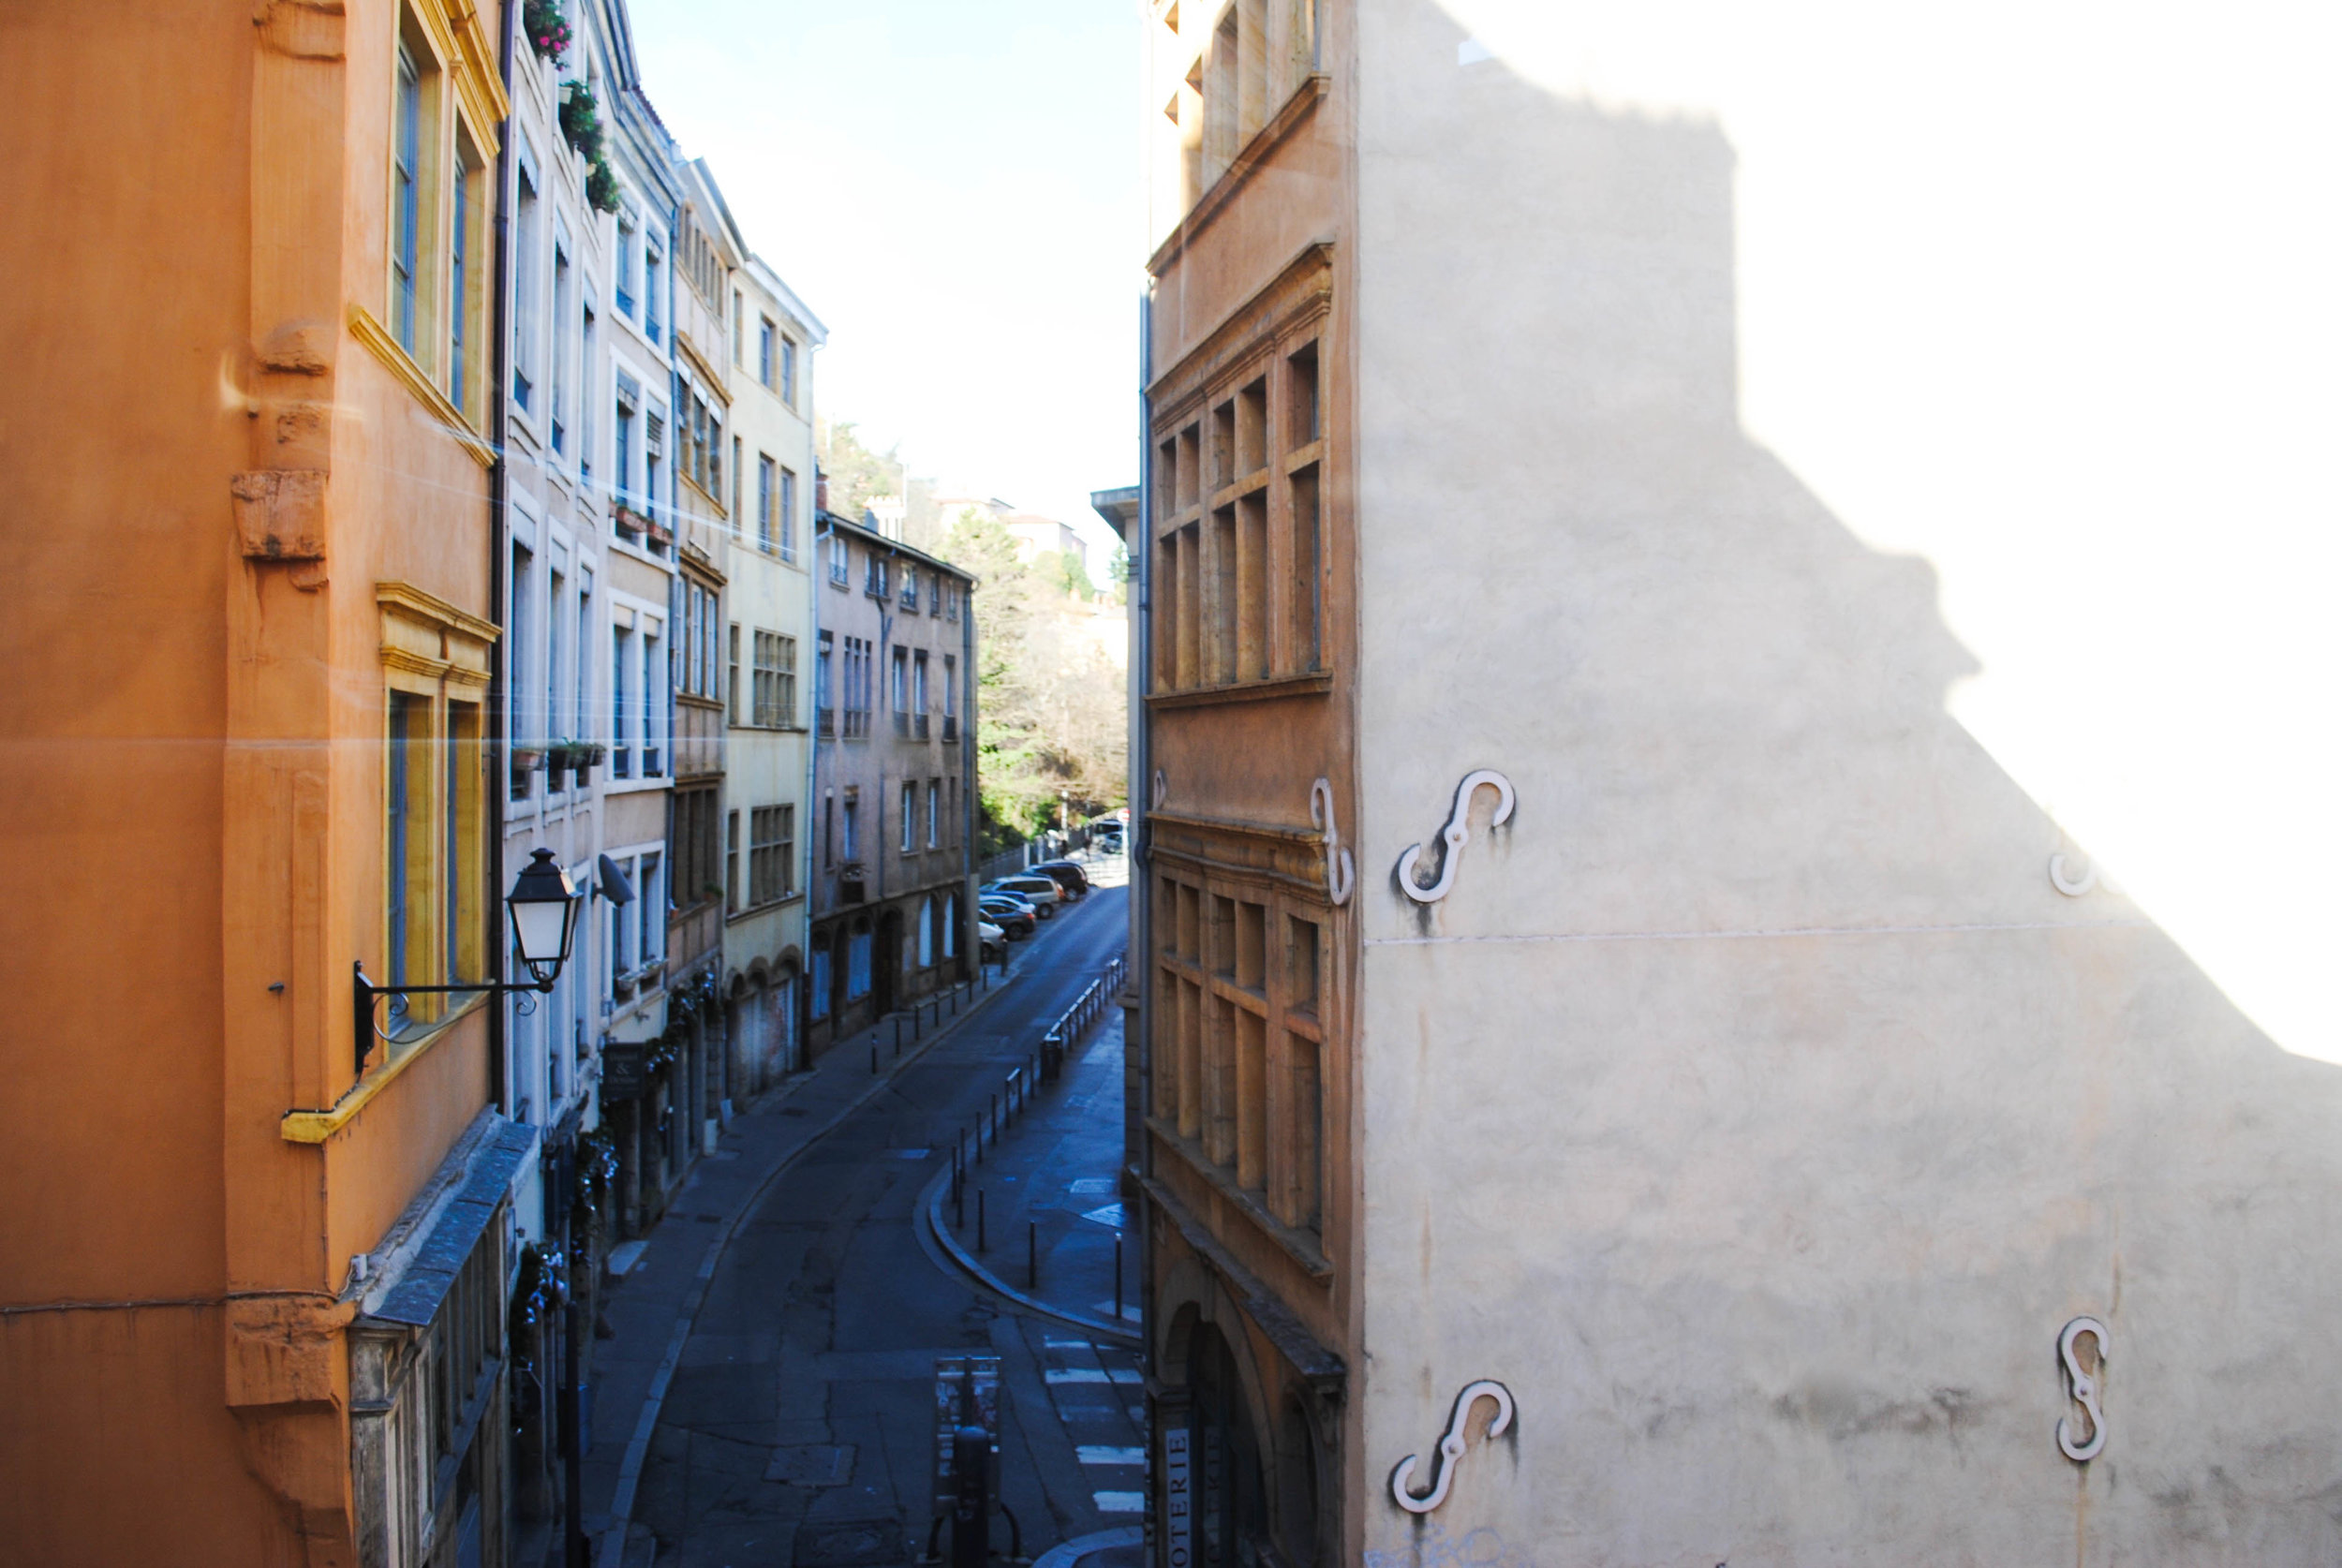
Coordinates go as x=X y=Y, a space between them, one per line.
x=251 y=1281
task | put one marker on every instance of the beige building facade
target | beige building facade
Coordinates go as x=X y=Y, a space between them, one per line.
x=1627 y=1079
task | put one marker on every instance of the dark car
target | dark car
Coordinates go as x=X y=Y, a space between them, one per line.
x=1012 y=915
x=1067 y=875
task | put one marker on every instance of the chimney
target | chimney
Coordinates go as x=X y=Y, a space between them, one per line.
x=821 y=489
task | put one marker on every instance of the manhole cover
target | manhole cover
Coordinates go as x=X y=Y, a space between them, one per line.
x=861 y=1543
x=812 y=1464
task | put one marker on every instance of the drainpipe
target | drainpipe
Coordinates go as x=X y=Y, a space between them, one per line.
x=1141 y=795
x=500 y=538
x=812 y=780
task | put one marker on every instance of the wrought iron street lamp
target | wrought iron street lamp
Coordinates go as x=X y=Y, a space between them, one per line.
x=543 y=908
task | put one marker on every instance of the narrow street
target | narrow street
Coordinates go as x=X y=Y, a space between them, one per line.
x=797 y=1426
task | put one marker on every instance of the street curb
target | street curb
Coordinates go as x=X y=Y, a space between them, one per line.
x=611 y=1551
x=931 y=1205
x=1066 y=1553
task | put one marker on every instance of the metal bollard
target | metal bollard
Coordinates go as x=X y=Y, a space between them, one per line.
x=899 y=1034
x=873 y=1059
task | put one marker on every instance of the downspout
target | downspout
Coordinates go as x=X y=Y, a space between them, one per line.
x=968 y=761
x=500 y=541
x=812 y=779
x=1135 y=848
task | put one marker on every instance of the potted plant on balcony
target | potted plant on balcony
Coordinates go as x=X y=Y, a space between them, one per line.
x=602 y=185
x=548 y=30
x=581 y=120
x=526 y=757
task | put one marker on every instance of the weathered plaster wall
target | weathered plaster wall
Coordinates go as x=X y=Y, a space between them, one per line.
x=1753 y=1107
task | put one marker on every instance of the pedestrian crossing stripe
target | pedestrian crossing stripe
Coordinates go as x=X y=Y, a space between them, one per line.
x=1120 y=1502
x=1102 y=1454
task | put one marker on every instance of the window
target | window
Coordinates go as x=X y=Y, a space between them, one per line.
x=919 y=683
x=874 y=575
x=736 y=309
x=584 y=728
x=630 y=258
x=839 y=565
x=653 y=281
x=526 y=217
x=434 y=815
x=911 y=816
x=898 y=683
x=654 y=454
x=731 y=678
x=736 y=487
x=934 y=594
x=927 y=932
x=789 y=372
x=586 y=396
x=776 y=681
x=825 y=720
x=951 y=603
x=787 y=532
x=558 y=406
x=911 y=588
x=765 y=351
x=732 y=861
x=518 y=625
x=622 y=469
x=622 y=728
x=951 y=926
x=691 y=843
x=652 y=708
x=459 y=235
x=951 y=685
x=857 y=681
x=849 y=845
x=935 y=796
x=557 y=596
x=407 y=202
x=767 y=473
x=818 y=993
x=650 y=900
x=772 y=854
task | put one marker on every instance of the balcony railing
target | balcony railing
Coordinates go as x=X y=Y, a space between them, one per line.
x=826 y=720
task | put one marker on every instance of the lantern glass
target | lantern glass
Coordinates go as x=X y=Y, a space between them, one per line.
x=544 y=912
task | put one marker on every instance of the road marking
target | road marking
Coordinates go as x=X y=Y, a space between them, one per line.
x=1100 y=1453
x=1120 y=1502
x=1068 y=1344
x=1073 y=1374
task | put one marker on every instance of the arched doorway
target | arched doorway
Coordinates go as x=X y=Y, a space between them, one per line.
x=1230 y=1521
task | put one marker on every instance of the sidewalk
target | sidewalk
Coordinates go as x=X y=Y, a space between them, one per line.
x=653 y=1302
x=1051 y=1210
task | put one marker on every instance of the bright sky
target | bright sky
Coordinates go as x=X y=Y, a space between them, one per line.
x=956 y=190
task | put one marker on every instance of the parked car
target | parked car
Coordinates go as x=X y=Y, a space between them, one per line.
x=1012 y=915
x=1041 y=893
x=1107 y=840
x=1068 y=876
x=991 y=942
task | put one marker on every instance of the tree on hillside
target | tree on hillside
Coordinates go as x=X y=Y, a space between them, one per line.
x=858 y=476
x=1050 y=704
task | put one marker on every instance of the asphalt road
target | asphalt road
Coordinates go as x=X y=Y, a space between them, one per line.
x=798 y=1429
